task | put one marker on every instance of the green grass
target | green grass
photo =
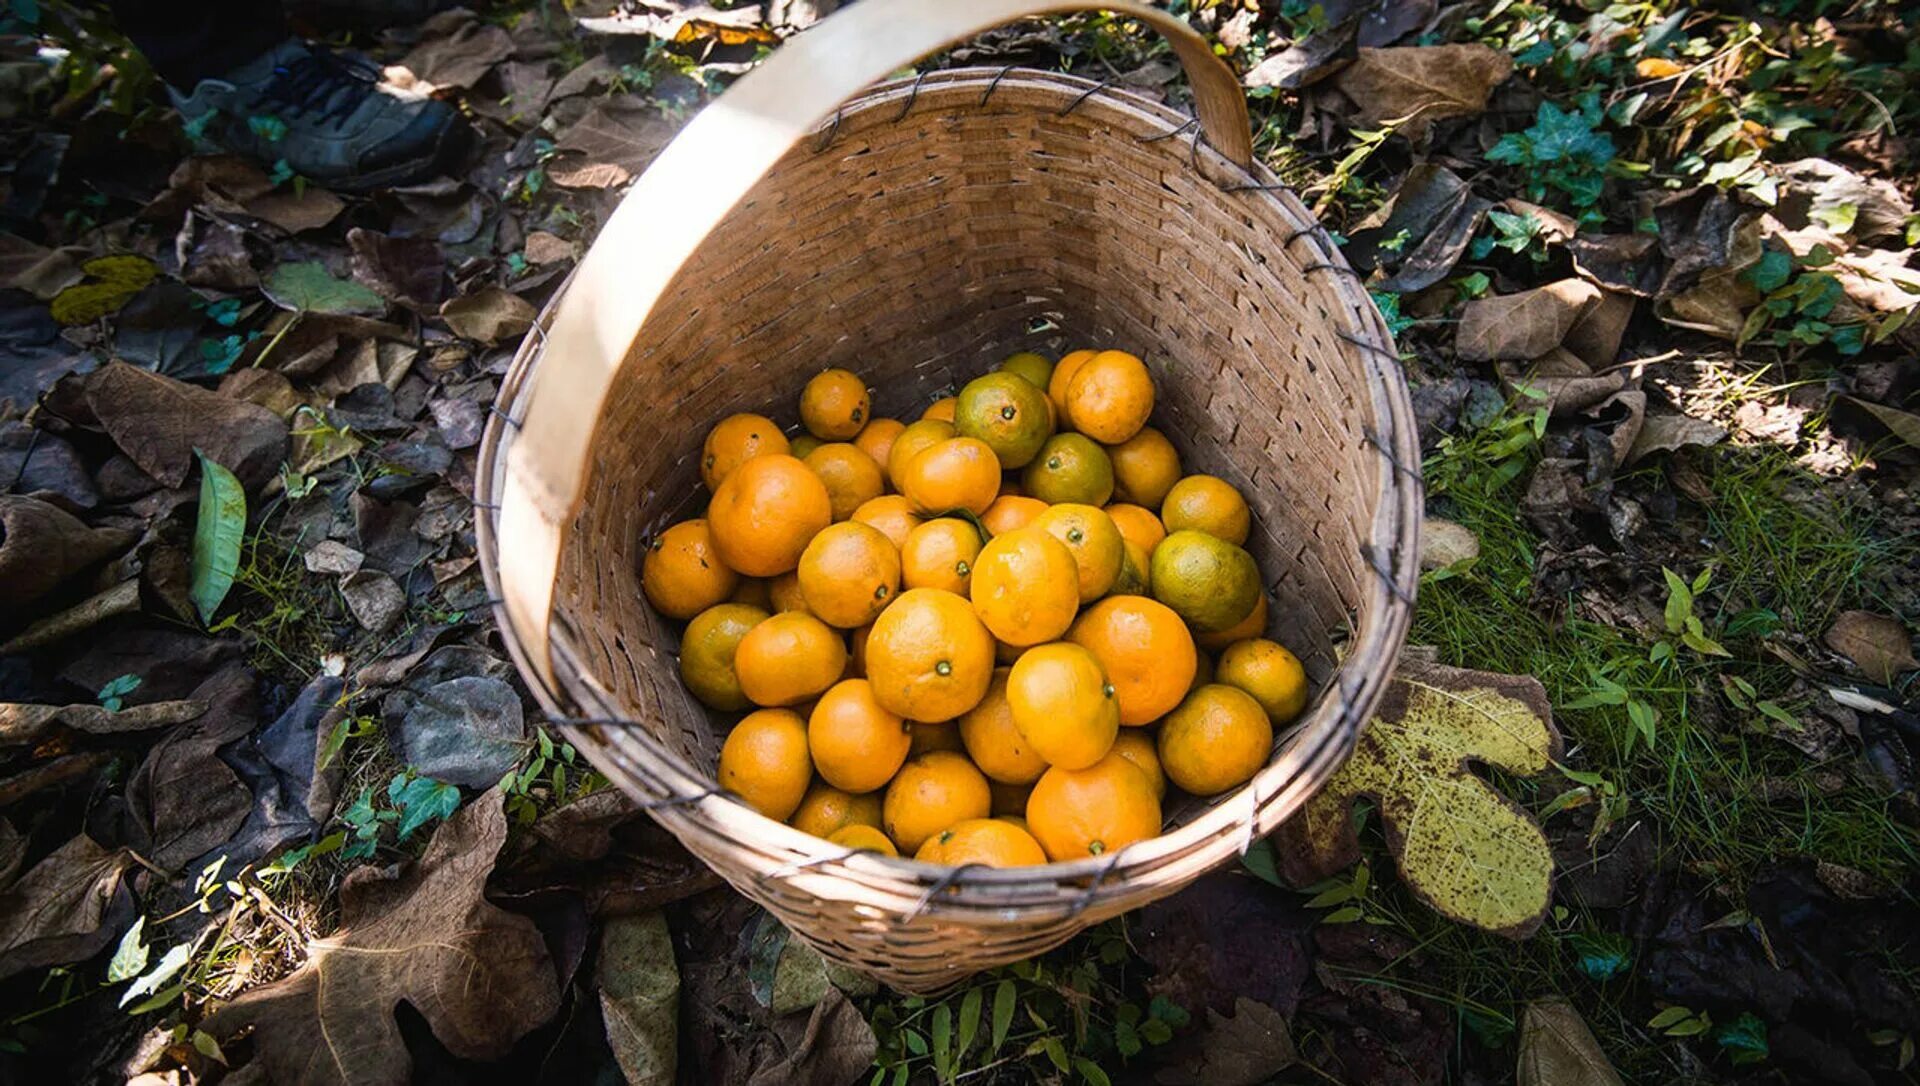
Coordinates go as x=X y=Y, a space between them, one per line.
x=1789 y=552
x=1787 y=558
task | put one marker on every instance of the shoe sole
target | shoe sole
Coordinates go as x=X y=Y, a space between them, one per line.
x=450 y=151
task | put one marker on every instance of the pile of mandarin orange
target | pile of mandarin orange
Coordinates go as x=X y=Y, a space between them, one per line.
x=978 y=638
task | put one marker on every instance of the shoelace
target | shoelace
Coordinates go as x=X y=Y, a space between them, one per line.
x=322 y=80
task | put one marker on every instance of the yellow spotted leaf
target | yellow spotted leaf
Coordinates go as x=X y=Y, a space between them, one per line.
x=1464 y=848
x=111 y=282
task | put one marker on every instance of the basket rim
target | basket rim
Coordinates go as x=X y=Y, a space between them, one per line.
x=690 y=801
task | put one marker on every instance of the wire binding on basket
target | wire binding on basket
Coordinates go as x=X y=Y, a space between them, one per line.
x=946 y=879
x=1412 y=473
x=797 y=866
x=994 y=85
x=1330 y=266
x=913 y=95
x=1390 y=356
x=825 y=138
x=1170 y=133
x=1093 y=887
x=1384 y=567
x=1083 y=96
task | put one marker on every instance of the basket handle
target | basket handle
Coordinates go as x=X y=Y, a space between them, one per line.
x=708 y=168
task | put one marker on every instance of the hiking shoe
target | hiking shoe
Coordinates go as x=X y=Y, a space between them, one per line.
x=328 y=116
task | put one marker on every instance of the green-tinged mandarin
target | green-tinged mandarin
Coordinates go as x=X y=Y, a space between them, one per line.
x=706 y=654
x=1209 y=582
x=1070 y=468
x=1009 y=413
x=1034 y=367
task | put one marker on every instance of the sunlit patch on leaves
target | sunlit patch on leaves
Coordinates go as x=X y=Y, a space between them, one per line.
x=1465 y=849
x=424 y=934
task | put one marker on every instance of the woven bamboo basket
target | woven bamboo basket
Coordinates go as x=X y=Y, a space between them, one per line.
x=916 y=231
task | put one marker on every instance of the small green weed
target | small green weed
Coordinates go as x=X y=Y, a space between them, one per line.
x=1069 y=1014
x=114 y=689
x=1564 y=153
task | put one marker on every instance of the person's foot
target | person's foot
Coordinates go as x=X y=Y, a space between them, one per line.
x=328 y=116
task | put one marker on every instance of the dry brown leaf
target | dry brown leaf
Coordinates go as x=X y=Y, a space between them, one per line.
x=1245 y=1050
x=64 y=908
x=544 y=248
x=297 y=211
x=488 y=315
x=456 y=50
x=1524 y=325
x=1878 y=645
x=1431 y=203
x=41 y=545
x=478 y=974
x=1595 y=336
x=1664 y=433
x=186 y=798
x=1564 y=382
x=234 y=185
x=1617 y=262
x=158 y=422
x=1305 y=62
x=1878 y=280
x=121 y=599
x=1827 y=191
x=1419 y=85
x=1557 y=1049
x=610 y=144
x=1904 y=425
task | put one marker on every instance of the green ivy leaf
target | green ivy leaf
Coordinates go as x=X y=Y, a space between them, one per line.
x=1744 y=1038
x=163 y=971
x=422 y=800
x=308 y=287
x=130 y=957
x=218 y=529
x=1601 y=956
x=1772 y=271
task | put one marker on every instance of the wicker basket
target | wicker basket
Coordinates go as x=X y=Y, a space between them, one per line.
x=915 y=232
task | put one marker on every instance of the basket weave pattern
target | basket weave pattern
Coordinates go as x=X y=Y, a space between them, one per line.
x=933 y=226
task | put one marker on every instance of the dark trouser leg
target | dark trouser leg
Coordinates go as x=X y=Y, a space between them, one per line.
x=190 y=40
